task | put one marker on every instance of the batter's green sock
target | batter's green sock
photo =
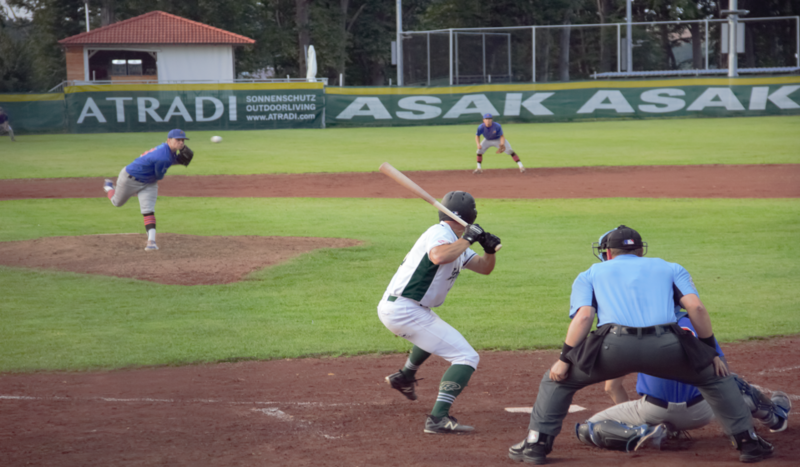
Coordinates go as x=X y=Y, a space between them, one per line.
x=416 y=358
x=454 y=381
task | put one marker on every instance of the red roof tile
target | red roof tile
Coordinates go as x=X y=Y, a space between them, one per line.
x=157 y=27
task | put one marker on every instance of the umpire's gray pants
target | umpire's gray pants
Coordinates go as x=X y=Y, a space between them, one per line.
x=661 y=356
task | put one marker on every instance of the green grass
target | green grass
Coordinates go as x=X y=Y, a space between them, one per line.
x=760 y=140
x=741 y=253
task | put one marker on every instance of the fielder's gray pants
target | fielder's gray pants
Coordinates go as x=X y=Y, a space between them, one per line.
x=661 y=356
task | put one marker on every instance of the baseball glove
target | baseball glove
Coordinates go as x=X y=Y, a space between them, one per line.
x=185 y=156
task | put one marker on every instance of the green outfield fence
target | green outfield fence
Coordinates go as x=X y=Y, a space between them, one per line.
x=259 y=106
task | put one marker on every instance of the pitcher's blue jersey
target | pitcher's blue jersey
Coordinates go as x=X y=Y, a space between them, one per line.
x=492 y=132
x=151 y=166
x=667 y=389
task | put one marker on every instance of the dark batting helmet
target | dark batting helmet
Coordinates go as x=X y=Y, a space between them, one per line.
x=622 y=238
x=462 y=204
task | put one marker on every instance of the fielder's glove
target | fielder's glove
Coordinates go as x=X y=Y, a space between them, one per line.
x=489 y=243
x=185 y=156
x=472 y=233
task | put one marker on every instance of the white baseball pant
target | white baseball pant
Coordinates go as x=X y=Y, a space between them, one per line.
x=127 y=187
x=425 y=329
x=639 y=411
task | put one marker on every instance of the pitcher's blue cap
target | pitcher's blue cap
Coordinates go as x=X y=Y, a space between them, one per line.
x=489 y=116
x=177 y=134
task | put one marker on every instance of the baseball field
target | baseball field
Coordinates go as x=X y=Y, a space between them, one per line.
x=251 y=336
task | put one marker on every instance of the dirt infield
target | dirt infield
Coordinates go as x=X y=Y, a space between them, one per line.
x=698 y=181
x=339 y=411
x=333 y=412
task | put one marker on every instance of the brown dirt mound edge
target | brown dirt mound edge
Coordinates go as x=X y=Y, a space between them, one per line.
x=181 y=259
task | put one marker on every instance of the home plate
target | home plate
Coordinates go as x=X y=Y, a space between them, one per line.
x=572 y=409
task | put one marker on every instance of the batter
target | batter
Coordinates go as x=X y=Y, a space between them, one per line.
x=141 y=177
x=422 y=282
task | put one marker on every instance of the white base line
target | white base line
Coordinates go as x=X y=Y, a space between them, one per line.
x=778 y=370
x=767 y=390
x=169 y=401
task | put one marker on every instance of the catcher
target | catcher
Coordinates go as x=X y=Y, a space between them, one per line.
x=668 y=407
x=141 y=177
x=493 y=136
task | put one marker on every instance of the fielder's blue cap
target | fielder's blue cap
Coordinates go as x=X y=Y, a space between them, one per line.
x=489 y=116
x=177 y=134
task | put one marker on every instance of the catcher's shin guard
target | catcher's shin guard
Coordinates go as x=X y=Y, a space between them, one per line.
x=761 y=407
x=609 y=434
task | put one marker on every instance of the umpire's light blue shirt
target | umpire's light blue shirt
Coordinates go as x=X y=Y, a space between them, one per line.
x=631 y=291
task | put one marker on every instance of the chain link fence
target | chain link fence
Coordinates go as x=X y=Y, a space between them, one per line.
x=591 y=51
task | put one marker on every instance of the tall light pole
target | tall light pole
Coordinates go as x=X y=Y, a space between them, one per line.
x=629 y=35
x=733 y=40
x=86 y=8
x=399 y=42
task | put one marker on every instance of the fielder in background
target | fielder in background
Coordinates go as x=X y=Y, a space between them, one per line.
x=493 y=137
x=634 y=300
x=422 y=282
x=141 y=177
x=5 y=126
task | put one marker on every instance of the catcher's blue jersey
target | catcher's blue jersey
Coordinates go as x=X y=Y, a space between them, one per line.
x=492 y=132
x=151 y=166
x=667 y=389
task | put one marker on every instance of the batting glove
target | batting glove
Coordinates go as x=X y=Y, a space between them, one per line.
x=472 y=233
x=489 y=243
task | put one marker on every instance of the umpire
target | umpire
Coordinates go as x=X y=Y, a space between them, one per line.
x=633 y=298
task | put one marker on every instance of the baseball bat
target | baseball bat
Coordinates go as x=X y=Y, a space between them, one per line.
x=406 y=182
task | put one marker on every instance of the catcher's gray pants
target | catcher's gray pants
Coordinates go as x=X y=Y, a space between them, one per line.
x=128 y=187
x=488 y=143
x=657 y=355
x=639 y=412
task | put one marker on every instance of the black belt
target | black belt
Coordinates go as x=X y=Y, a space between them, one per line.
x=391 y=298
x=617 y=329
x=134 y=178
x=665 y=405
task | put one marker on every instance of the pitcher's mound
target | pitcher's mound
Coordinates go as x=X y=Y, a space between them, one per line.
x=181 y=259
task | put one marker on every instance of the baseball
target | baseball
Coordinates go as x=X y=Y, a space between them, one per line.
x=216 y=139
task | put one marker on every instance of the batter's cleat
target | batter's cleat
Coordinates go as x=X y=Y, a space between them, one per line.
x=401 y=383
x=151 y=246
x=446 y=424
x=477 y=171
x=782 y=407
x=522 y=170
x=108 y=185
x=655 y=435
x=532 y=452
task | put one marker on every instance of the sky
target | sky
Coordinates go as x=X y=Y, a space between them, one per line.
x=14 y=12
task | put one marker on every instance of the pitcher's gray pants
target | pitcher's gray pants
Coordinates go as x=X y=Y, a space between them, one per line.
x=661 y=356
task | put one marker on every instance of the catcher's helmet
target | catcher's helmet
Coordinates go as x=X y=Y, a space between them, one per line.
x=462 y=204
x=622 y=238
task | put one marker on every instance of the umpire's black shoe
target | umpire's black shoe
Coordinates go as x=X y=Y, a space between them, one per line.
x=532 y=453
x=404 y=385
x=446 y=424
x=752 y=448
